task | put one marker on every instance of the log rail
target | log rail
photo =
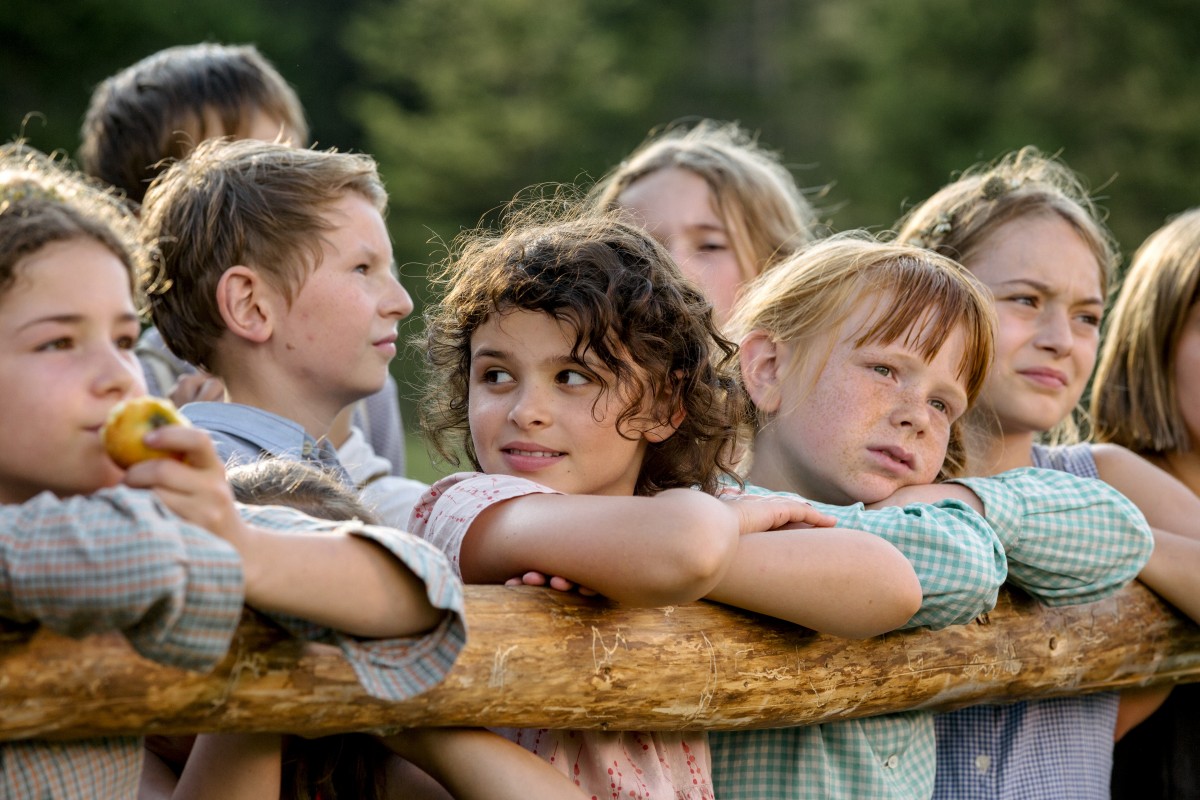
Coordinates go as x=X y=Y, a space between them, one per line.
x=537 y=658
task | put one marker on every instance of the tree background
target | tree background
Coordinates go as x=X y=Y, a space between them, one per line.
x=874 y=104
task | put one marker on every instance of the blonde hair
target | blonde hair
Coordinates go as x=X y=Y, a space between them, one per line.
x=246 y=202
x=958 y=219
x=764 y=211
x=1135 y=399
x=816 y=290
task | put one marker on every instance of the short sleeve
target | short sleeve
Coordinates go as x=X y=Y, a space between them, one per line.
x=444 y=514
x=1069 y=539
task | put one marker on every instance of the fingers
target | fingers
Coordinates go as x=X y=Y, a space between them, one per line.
x=197 y=387
x=193 y=444
x=765 y=513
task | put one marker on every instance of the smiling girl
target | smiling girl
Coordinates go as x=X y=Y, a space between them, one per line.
x=584 y=379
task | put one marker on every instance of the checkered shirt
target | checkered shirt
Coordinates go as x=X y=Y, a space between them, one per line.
x=1044 y=749
x=894 y=756
x=120 y=560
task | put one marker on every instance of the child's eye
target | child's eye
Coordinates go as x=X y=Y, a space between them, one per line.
x=363 y=268
x=881 y=369
x=1089 y=319
x=497 y=376
x=940 y=405
x=572 y=377
x=1025 y=300
x=126 y=342
x=62 y=343
x=712 y=247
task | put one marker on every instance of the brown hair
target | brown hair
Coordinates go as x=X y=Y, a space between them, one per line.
x=766 y=214
x=814 y=291
x=239 y=202
x=43 y=201
x=630 y=308
x=164 y=105
x=350 y=766
x=295 y=484
x=1135 y=399
x=960 y=217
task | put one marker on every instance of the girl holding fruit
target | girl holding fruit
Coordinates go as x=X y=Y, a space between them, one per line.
x=159 y=551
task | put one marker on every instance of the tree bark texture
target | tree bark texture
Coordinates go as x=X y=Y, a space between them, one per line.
x=537 y=658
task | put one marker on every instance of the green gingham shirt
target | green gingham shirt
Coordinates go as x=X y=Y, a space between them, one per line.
x=1067 y=540
x=118 y=560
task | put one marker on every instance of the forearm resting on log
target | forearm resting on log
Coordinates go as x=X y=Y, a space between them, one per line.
x=539 y=658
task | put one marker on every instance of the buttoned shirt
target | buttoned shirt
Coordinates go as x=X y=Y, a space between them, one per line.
x=244 y=434
x=1060 y=747
x=1068 y=540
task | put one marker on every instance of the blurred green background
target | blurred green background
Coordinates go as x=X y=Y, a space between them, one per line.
x=873 y=103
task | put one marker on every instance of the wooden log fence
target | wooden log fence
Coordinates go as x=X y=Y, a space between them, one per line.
x=537 y=658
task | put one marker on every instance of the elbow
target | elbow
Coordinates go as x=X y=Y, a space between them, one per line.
x=895 y=599
x=692 y=569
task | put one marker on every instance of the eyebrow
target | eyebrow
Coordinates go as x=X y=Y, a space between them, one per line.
x=1045 y=288
x=70 y=319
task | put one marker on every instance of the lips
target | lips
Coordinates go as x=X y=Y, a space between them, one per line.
x=526 y=457
x=893 y=457
x=532 y=452
x=1045 y=376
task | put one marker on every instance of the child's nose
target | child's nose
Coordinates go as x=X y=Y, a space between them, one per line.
x=911 y=414
x=119 y=373
x=529 y=408
x=1054 y=332
x=398 y=302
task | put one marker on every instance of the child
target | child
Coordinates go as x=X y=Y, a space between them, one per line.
x=275 y=274
x=153 y=113
x=584 y=378
x=724 y=206
x=347 y=766
x=82 y=553
x=860 y=358
x=1145 y=398
x=1026 y=228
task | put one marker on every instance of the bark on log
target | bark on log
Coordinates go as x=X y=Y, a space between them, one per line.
x=537 y=658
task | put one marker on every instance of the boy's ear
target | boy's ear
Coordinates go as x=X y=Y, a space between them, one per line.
x=762 y=367
x=245 y=302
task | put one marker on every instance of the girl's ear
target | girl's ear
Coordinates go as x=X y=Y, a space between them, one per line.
x=665 y=430
x=762 y=366
x=245 y=302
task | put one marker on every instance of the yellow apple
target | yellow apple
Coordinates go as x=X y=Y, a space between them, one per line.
x=130 y=421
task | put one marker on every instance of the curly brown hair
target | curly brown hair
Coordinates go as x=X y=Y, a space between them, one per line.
x=630 y=308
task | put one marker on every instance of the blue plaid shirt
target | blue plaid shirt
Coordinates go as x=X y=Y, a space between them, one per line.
x=1060 y=747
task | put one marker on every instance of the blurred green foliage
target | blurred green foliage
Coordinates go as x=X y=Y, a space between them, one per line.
x=874 y=103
